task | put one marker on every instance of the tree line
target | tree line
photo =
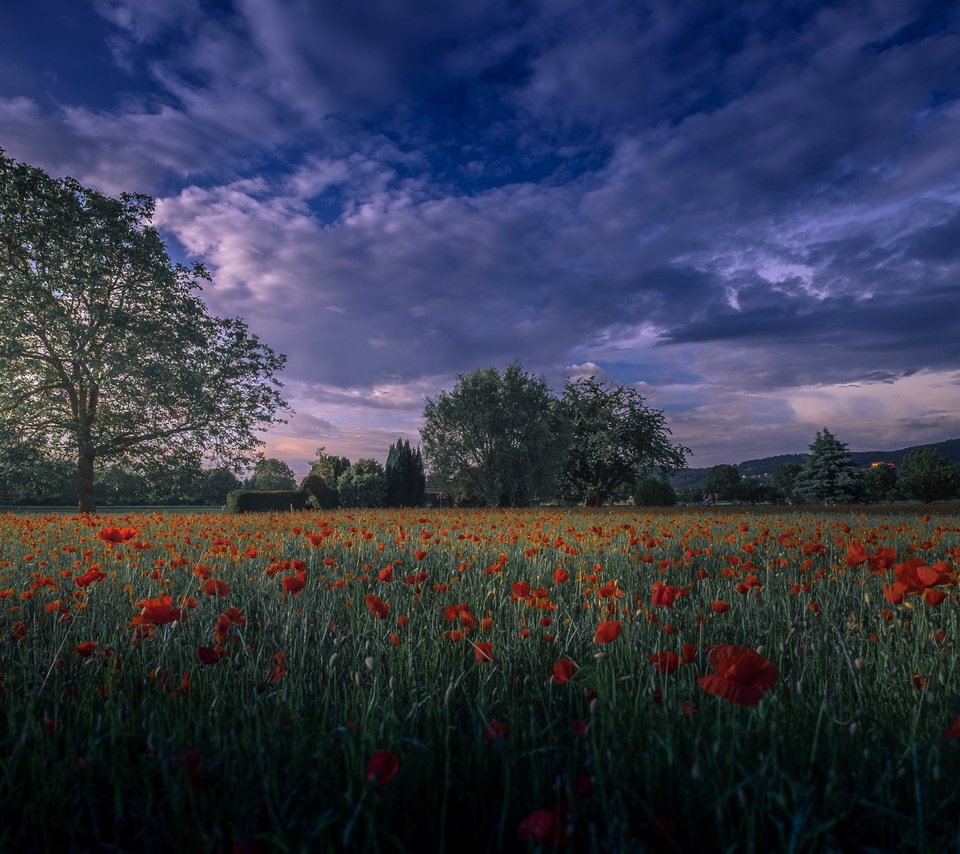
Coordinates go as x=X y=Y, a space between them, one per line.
x=830 y=476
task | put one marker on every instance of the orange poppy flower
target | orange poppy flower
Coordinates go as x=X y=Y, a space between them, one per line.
x=293 y=584
x=88 y=578
x=85 y=649
x=741 y=675
x=608 y=631
x=718 y=606
x=113 y=534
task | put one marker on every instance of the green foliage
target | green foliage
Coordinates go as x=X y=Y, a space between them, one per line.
x=614 y=439
x=264 y=501
x=784 y=479
x=271 y=473
x=926 y=476
x=120 y=485
x=880 y=484
x=108 y=352
x=829 y=475
x=494 y=436
x=654 y=492
x=723 y=481
x=329 y=466
x=218 y=482
x=364 y=484
x=325 y=495
x=406 y=482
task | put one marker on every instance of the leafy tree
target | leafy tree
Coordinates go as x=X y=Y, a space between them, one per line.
x=271 y=473
x=364 y=484
x=406 y=482
x=121 y=485
x=614 y=440
x=926 y=476
x=784 y=479
x=329 y=467
x=722 y=480
x=217 y=482
x=494 y=436
x=880 y=483
x=108 y=352
x=654 y=492
x=829 y=475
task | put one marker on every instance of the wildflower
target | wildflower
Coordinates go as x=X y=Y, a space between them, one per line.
x=113 y=534
x=383 y=767
x=157 y=612
x=741 y=675
x=665 y=662
x=563 y=671
x=85 y=649
x=483 y=652
x=544 y=826
x=215 y=587
x=608 y=631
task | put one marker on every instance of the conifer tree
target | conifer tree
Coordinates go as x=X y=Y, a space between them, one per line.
x=406 y=482
x=829 y=475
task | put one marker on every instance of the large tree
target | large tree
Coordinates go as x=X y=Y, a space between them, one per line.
x=494 y=435
x=722 y=480
x=364 y=484
x=926 y=476
x=614 y=440
x=271 y=473
x=108 y=352
x=829 y=475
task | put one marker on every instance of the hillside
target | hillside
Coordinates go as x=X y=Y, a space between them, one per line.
x=765 y=467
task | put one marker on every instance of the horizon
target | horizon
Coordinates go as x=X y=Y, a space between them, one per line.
x=750 y=215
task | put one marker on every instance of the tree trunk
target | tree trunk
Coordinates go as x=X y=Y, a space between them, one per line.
x=87 y=499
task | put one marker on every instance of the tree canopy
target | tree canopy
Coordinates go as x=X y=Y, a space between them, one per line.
x=406 y=483
x=927 y=476
x=108 y=351
x=829 y=475
x=272 y=473
x=613 y=441
x=493 y=437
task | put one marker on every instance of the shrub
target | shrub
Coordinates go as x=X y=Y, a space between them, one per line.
x=364 y=484
x=327 y=497
x=263 y=501
x=653 y=492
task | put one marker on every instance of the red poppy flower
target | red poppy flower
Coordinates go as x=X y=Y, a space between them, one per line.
x=608 y=631
x=563 y=671
x=383 y=767
x=88 y=578
x=688 y=651
x=85 y=649
x=543 y=826
x=496 y=730
x=377 y=607
x=215 y=587
x=954 y=731
x=158 y=612
x=741 y=675
x=665 y=662
x=113 y=534
x=210 y=654
x=293 y=584
x=483 y=652
x=718 y=606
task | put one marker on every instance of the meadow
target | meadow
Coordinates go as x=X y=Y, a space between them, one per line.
x=451 y=680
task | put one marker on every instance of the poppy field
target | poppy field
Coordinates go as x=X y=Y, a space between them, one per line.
x=445 y=680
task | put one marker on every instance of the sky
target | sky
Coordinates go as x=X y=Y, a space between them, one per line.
x=748 y=211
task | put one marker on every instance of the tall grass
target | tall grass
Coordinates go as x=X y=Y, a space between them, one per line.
x=139 y=745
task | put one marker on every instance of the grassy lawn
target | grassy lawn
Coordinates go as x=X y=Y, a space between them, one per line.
x=421 y=680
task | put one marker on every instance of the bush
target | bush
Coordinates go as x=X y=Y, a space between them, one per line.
x=263 y=501
x=327 y=497
x=653 y=492
x=364 y=484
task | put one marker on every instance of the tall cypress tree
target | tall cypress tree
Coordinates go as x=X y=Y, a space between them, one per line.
x=406 y=482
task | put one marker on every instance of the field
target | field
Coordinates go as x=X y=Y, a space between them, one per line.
x=479 y=680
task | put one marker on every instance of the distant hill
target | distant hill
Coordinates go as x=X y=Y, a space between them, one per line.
x=764 y=468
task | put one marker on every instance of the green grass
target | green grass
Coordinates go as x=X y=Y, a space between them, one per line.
x=846 y=753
